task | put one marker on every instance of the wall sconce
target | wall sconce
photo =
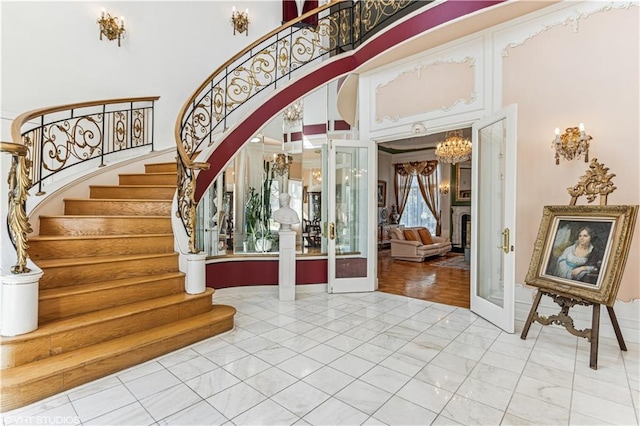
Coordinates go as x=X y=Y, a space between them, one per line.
x=240 y=21
x=281 y=164
x=444 y=188
x=111 y=26
x=572 y=144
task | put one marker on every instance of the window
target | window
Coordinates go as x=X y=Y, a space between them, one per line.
x=416 y=212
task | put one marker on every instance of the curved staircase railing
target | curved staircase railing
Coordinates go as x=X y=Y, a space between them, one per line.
x=331 y=29
x=47 y=141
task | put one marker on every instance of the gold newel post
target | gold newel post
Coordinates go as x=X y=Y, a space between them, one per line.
x=556 y=266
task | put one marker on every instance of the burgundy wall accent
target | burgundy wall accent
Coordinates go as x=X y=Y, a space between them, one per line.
x=314 y=129
x=296 y=136
x=262 y=272
x=311 y=129
x=420 y=23
x=341 y=125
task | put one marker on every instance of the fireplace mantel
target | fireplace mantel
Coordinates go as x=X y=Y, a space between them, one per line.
x=456 y=222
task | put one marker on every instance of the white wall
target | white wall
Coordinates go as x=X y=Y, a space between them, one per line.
x=564 y=64
x=52 y=55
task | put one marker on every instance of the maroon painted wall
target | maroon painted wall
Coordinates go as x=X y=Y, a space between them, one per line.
x=237 y=273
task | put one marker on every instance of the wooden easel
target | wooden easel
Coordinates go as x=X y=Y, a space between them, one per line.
x=595 y=182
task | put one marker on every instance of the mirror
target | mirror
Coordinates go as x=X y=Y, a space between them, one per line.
x=462 y=185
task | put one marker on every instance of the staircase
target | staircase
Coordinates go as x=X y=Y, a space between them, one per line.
x=111 y=295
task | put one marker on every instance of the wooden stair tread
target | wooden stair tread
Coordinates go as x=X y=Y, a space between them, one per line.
x=95 y=237
x=76 y=261
x=59 y=364
x=94 y=216
x=134 y=186
x=52 y=293
x=90 y=318
x=150 y=174
x=118 y=200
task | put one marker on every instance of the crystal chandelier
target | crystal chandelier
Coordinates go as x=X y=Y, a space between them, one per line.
x=293 y=113
x=281 y=164
x=454 y=149
x=573 y=143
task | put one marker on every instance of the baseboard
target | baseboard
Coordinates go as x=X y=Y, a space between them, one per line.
x=270 y=289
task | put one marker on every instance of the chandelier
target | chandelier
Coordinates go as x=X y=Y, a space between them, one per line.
x=281 y=164
x=573 y=143
x=454 y=149
x=293 y=113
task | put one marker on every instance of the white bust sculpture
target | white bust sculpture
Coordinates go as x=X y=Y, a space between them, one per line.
x=285 y=215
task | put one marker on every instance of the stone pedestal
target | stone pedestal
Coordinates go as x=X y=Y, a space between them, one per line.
x=19 y=303
x=287 y=265
x=195 y=282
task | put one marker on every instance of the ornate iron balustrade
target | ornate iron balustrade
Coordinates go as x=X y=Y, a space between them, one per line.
x=60 y=137
x=336 y=27
x=49 y=140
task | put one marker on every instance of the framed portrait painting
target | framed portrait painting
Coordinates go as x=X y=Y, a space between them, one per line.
x=382 y=193
x=581 y=251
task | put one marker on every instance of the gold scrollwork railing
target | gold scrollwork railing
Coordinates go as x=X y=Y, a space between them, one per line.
x=17 y=220
x=52 y=139
x=335 y=28
x=63 y=136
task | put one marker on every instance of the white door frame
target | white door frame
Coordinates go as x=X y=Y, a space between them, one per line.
x=369 y=282
x=504 y=316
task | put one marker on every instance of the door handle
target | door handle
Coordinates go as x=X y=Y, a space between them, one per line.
x=332 y=231
x=505 y=247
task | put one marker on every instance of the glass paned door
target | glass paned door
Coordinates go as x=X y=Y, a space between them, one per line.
x=493 y=218
x=350 y=268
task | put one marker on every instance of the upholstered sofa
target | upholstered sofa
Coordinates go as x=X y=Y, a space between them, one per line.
x=416 y=244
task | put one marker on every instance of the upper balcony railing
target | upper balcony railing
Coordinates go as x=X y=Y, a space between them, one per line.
x=63 y=136
x=50 y=140
x=268 y=63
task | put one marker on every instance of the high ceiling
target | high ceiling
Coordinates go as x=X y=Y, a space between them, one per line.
x=417 y=143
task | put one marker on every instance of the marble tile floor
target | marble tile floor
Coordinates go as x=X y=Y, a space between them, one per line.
x=360 y=359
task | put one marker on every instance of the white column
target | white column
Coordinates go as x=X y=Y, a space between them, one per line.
x=19 y=303
x=287 y=265
x=195 y=282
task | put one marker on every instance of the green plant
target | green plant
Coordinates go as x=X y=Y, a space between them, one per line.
x=258 y=209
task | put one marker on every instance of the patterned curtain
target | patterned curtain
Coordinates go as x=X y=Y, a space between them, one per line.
x=427 y=173
x=402 y=185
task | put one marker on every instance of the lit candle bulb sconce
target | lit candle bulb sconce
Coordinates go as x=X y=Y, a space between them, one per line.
x=240 y=21
x=573 y=143
x=111 y=27
x=444 y=188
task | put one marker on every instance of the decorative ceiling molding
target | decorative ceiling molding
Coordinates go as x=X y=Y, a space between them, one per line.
x=431 y=76
x=568 y=17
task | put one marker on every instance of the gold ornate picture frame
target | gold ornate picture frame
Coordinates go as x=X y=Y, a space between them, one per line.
x=382 y=193
x=560 y=264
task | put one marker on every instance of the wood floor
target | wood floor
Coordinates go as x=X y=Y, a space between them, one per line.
x=423 y=280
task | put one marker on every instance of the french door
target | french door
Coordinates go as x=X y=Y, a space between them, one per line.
x=493 y=218
x=350 y=220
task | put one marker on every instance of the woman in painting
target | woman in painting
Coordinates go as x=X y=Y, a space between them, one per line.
x=579 y=261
